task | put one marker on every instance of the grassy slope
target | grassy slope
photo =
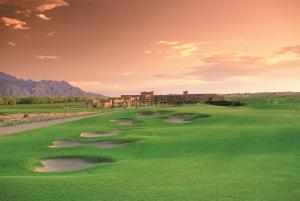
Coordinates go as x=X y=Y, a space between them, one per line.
x=245 y=153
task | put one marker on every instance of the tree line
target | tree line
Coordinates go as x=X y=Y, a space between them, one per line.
x=11 y=100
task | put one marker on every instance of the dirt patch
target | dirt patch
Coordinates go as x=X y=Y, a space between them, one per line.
x=65 y=165
x=99 y=144
x=99 y=134
x=124 y=122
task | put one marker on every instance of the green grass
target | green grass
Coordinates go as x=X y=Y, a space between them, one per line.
x=44 y=108
x=237 y=153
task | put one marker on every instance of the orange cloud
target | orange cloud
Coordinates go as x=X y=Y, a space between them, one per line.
x=237 y=57
x=43 y=16
x=233 y=66
x=51 y=33
x=14 y=23
x=166 y=76
x=12 y=44
x=28 y=6
x=126 y=73
x=285 y=54
x=37 y=7
x=237 y=40
x=164 y=42
x=174 y=49
x=186 y=49
x=46 y=57
x=290 y=49
x=50 y=4
x=217 y=72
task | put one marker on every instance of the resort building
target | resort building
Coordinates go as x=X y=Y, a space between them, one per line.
x=150 y=99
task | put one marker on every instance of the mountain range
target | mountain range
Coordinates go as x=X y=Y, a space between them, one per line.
x=13 y=86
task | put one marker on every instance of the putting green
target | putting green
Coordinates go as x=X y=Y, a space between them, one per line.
x=236 y=153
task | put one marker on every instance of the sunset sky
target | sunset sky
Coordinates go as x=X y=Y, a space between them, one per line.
x=118 y=47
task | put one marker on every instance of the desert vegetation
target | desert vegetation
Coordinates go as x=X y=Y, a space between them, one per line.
x=27 y=113
x=12 y=100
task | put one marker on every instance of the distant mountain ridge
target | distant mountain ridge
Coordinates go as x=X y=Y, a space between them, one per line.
x=264 y=94
x=13 y=86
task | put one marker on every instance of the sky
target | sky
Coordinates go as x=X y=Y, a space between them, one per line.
x=116 y=47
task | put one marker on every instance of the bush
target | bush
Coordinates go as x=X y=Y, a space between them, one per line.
x=10 y=100
x=1 y=101
x=227 y=103
x=25 y=115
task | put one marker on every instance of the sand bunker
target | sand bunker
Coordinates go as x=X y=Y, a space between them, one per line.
x=124 y=122
x=99 y=134
x=145 y=114
x=64 y=165
x=163 y=112
x=185 y=118
x=60 y=144
x=99 y=144
x=179 y=119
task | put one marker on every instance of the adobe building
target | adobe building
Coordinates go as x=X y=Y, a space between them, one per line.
x=150 y=99
x=185 y=98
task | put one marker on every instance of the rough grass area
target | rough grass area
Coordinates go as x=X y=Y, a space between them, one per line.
x=45 y=108
x=237 y=153
x=11 y=115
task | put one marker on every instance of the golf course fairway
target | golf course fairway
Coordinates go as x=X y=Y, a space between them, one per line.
x=234 y=153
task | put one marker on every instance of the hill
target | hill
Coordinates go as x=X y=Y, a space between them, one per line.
x=264 y=95
x=13 y=86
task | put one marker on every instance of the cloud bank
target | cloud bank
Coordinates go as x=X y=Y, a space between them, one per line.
x=14 y=23
x=33 y=6
x=174 y=49
x=28 y=8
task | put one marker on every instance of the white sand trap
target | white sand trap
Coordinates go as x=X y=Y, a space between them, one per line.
x=99 y=134
x=64 y=165
x=99 y=144
x=124 y=122
x=179 y=119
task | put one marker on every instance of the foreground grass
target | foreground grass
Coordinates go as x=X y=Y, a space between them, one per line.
x=237 y=153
